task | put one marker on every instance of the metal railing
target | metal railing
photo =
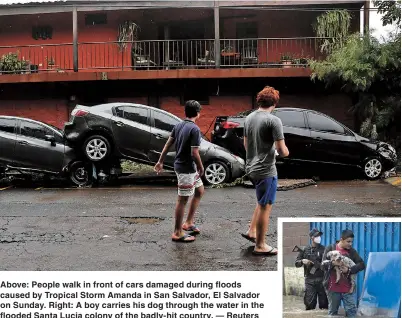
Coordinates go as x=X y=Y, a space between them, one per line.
x=161 y=55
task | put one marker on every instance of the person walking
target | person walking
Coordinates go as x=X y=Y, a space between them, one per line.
x=310 y=258
x=186 y=136
x=263 y=134
x=340 y=291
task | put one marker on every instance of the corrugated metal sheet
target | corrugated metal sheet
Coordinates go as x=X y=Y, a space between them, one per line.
x=369 y=237
x=16 y=2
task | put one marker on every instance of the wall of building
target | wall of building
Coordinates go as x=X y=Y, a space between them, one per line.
x=293 y=234
x=192 y=23
x=52 y=102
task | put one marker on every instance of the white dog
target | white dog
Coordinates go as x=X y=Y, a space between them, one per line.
x=341 y=260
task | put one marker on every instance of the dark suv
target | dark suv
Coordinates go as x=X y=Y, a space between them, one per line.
x=139 y=133
x=313 y=137
x=28 y=146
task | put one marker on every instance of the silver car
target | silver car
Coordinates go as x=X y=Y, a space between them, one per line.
x=28 y=145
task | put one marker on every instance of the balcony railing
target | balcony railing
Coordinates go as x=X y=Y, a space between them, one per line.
x=161 y=55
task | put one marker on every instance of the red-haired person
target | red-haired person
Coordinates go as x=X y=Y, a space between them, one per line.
x=263 y=134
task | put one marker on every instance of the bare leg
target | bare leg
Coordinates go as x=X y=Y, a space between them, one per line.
x=262 y=228
x=195 y=202
x=179 y=214
x=252 y=231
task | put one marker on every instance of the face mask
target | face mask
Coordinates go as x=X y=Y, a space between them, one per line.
x=317 y=239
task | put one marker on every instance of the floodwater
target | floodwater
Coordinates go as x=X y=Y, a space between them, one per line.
x=293 y=307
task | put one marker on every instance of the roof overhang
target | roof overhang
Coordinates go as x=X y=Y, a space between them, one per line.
x=13 y=7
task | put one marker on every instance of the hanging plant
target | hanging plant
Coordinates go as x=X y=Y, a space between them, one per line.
x=127 y=33
x=333 y=27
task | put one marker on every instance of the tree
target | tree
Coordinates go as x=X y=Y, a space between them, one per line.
x=332 y=28
x=370 y=72
x=391 y=11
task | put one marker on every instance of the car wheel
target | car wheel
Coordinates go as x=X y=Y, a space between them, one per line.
x=372 y=168
x=96 y=148
x=80 y=173
x=216 y=172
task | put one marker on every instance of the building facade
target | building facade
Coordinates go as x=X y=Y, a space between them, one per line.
x=162 y=53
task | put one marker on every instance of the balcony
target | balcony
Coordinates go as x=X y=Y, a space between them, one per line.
x=160 y=56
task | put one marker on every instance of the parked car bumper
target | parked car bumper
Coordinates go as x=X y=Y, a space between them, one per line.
x=74 y=131
x=238 y=168
x=388 y=155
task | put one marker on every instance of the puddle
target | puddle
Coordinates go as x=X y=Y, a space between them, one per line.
x=142 y=220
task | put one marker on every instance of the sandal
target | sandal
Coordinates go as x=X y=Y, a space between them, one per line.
x=247 y=237
x=267 y=253
x=186 y=238
x=193 y=229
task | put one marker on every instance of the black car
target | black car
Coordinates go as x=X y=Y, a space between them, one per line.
x=29 y=146
x=313 y=137
x=138 y=133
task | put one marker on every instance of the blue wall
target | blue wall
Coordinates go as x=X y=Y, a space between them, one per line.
x=369 y=237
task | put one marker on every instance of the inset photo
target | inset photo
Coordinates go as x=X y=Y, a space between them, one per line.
x=341 y=268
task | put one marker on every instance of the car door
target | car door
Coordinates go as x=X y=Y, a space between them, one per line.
x=331 y=141
x=297 y=135
x=161 y=128
x=8 y=139
x=132 y=131
x=33 y=151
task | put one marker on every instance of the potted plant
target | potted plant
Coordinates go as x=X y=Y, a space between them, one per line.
x=50 y=62
x=11 y=64
x=287 y=60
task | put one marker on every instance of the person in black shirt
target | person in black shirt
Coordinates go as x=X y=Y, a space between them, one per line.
x=186 y=136
x=310 y=258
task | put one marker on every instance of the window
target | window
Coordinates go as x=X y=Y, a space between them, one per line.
x=322 y=123
x=92 y=19
x=7 y=125
x=291 y=118
x=42 y=32
x=164 y=122
x=136 y=114
x=34 y=130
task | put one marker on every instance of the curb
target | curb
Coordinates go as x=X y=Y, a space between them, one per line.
x=248 y=184
x=394 y=181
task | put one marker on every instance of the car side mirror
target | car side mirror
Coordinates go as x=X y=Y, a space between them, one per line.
x=52 y=139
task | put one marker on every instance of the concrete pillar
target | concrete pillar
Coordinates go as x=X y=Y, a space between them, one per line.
x=366 y=20
x=217 y=35
x=166 y=36
x=75 y=39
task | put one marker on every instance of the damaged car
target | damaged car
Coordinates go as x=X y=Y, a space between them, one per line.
x=28 y=146
x=138 y=133
x=314 y=138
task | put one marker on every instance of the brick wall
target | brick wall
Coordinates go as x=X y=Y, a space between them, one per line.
x=294 y=233
x=51 y=111
x=218 y=105
x=136 y=100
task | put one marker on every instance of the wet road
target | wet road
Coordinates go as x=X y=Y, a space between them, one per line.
x=129 y=228
x=293 y=307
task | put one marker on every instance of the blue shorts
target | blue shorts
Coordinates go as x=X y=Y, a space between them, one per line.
x=266 y=190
